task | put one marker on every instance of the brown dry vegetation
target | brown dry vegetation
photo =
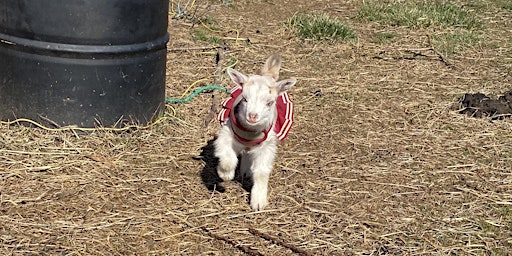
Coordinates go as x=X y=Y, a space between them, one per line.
x=378 y=163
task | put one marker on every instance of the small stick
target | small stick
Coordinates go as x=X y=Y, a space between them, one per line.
x=439 y=55
x=280 y=242
x=26 y=200
x=49 y=121
x=194 y=48
x=243 y=248
x=219 y=60
x=240 y=247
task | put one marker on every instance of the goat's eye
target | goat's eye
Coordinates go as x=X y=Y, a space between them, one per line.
x=244 y=99
x=270 y=103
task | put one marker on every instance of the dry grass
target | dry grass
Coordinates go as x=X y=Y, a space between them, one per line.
x=377 y=162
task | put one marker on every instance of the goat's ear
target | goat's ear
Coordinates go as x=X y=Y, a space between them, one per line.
x=285 y=85
x=272 y=66
x=237 y=77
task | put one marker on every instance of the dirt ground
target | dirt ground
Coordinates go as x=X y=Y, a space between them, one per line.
x=377 y=163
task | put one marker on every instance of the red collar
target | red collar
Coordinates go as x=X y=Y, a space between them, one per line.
x=281 y=126
x=242 y=134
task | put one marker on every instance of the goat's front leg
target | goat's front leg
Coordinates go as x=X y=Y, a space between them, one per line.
x=261 y=166
x=225 y=151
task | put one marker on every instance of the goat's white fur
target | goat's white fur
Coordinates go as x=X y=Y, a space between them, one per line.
x=259 y=93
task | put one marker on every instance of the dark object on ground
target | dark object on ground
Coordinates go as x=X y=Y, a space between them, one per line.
x=480 y=105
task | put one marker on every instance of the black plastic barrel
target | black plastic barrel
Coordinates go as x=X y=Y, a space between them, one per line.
x=83 y=63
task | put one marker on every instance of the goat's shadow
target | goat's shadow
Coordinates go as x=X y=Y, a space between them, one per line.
x=209 y=175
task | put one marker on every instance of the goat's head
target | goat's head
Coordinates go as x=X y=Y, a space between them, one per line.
x=256 y=109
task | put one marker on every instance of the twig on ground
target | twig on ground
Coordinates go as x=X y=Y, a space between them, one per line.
x=279 y=242
x=219 y=60
x=49 y=121
x=26 y=200
x=206 y=48
x=439 y=55
x=418 y=52
x=183 y=222
x=240 y=247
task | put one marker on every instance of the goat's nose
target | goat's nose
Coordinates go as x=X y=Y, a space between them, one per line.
x=253 y=117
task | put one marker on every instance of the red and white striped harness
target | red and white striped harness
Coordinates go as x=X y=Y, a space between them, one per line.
x=281 y=127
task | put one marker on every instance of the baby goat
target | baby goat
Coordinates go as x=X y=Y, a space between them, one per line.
x=258 y=114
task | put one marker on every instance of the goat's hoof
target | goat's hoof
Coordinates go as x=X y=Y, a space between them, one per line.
x=226 y=176
x=226 y=170
x=258 y=201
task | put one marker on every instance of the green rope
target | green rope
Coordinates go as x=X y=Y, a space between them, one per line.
x=196 y=92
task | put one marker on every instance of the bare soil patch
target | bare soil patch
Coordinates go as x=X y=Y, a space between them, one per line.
x=481 y=105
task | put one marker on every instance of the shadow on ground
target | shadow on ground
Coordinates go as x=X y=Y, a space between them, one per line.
x=209 y=175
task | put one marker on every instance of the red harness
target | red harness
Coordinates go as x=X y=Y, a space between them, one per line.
x=281 y=126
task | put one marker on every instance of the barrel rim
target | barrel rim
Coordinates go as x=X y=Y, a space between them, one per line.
x=158 y=43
